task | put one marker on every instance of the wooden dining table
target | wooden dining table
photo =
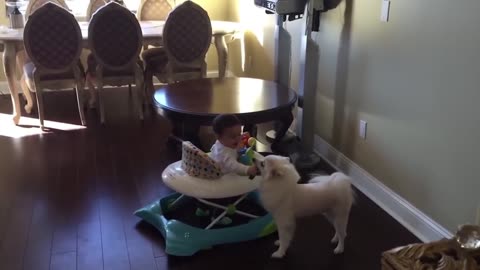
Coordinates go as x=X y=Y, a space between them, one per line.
x=12 y=41
x=194 y=103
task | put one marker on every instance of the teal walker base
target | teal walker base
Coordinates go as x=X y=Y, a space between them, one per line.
x=185 y=240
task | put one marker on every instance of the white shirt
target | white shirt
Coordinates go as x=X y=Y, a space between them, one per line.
x=227 y=157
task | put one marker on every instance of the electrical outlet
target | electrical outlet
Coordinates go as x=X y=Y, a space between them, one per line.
x=362 y=131
x=385 y=11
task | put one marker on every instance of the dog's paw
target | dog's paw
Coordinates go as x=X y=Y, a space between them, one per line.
x=278 y=254
x=338 y=250
x=277 y=243
x=334 y=239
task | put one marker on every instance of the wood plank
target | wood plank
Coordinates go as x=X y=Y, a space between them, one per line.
x=65 y=232
x=8 y=188
x=89 y=237
x=16 y=233
x=89 y=246
x=162 y=263
x=47 y=157
x=147 y=167
x=115 y=253
x=38 y=250
x=64 y=261
x=139 y=249
x=19 y=217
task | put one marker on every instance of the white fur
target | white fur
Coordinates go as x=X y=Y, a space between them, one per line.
x=286 y=200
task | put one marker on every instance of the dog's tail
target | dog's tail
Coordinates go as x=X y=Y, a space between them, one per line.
x=345 y=184
x=341 y=181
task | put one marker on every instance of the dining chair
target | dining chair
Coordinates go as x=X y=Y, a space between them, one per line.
x=93 y=6
x=22 y=57
x=53 y=42
x=187 y=35
x=153 y=10
x=115 y=38
x=33 y=5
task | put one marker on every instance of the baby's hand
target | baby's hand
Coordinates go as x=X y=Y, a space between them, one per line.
x=252 y=170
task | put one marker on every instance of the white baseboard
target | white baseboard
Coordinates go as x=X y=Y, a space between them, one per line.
x=404 y=212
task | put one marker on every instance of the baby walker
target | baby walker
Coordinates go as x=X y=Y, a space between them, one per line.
x=198 y=177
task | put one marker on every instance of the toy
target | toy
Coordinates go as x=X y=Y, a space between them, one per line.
x=246 y=154
x=244 y=139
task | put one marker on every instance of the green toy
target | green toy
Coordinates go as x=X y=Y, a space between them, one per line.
x=231 y=209
x=247 y=157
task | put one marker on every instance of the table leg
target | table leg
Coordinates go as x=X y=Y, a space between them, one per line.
x=9 y=65
x=27 y=94
x=222 y=52
x=191 y=133
x=282 y=126
x=21 y=59
x=186 y=131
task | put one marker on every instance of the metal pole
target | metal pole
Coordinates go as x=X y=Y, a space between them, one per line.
x=307 y=159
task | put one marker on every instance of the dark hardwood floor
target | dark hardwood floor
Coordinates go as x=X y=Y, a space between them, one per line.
x=67 y=198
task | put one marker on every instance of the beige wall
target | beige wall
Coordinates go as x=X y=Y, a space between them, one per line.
x=415 y=80
x=252 y=54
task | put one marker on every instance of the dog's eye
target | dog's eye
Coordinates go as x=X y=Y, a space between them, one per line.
x=262 y=164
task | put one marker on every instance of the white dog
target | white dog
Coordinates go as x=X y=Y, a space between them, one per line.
x=286 y=200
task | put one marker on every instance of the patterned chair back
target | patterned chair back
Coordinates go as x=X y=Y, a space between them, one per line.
x=153 y=10
x=52 y=38
x=33 y=5
x=187 y=33
x=93 y=6
x=115 y=37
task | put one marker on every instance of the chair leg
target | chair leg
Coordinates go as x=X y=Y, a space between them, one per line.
x=204 y=70
x=148 y=87
x=79 y=91
x=101 y=104
x=39 y=95
x=91 y=89
x=137 y=97
x=26 y=94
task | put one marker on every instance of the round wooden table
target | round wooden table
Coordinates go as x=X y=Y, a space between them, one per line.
x=193 y=103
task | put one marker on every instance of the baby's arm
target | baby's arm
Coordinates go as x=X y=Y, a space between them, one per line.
x=233 y=165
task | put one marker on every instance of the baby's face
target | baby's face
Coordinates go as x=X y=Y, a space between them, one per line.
x=231 y=136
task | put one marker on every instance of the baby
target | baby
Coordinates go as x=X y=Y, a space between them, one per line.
x=227 y=129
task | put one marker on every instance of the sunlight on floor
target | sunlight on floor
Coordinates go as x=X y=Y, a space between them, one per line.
x=31 y=126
